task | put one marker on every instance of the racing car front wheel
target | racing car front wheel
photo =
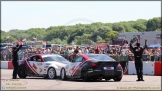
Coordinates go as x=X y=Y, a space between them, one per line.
x=85 y=75
x=63 y=74
x=51 y=73
x=21 y=72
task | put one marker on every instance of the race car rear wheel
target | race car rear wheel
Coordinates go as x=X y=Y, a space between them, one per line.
x=85 y=75
x=63 y=74
x=117 y=78
x=51 y=73
x=21 y=72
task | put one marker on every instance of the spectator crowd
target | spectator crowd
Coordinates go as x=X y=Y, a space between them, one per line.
x=152 y=54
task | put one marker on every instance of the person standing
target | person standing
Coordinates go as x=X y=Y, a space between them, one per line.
x=138 y=51
x=15 y=59
x=97 y=50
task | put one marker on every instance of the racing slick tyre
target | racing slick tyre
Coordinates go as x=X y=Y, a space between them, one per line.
x=117 y=78
x=51 y=73
x=85 y=75
x=63 y=74
x=21 y=72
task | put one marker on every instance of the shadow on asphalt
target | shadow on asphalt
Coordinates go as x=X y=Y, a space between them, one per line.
x=74 y=80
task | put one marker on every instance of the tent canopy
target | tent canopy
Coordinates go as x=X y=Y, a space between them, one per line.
x=155 y=45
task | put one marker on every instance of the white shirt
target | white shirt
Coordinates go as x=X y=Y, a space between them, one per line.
x=85 y=51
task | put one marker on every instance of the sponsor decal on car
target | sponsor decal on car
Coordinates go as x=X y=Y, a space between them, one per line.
x=39 y=63
x=48 y=64
x=58 y=66
x=40 y=69
x=45 y=66
x=34 y=66
x=70 y=71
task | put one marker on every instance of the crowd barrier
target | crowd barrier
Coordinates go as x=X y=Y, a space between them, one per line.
x=6 y=57
x=150 y=67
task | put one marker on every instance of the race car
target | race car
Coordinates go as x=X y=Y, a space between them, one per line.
x=92 y=66
x=42 y=65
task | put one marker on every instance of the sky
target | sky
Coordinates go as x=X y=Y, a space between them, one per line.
x=23 y=15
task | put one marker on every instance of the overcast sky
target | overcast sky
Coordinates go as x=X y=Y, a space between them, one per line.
x=40 y=14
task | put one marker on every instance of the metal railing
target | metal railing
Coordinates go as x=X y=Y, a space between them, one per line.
x=8 y=57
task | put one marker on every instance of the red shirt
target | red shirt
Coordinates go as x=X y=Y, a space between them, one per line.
x=97 y=51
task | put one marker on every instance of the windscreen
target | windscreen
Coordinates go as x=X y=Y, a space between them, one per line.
x=101 y=57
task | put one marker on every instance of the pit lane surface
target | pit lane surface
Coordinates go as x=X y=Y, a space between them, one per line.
x=39 y=83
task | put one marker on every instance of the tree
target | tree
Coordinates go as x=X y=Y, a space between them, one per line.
x=99 y=39
x=112 y=34
x=140 y=27
x=151 y=25
x=118 y=27
x=97 y=32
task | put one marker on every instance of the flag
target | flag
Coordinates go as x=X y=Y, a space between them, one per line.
x=24 y=39
x=7 y=37
x=138 y=38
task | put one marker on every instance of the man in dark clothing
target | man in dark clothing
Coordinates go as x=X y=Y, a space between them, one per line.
x=15 y=59
x=75 y=54
x=76 y=51
x=138 y=51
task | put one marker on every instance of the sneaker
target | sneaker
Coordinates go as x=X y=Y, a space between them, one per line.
x=138 y=80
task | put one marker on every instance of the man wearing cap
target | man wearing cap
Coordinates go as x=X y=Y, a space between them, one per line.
x=138 y=51
x=15 y=59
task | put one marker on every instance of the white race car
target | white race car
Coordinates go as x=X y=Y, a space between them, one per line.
x=42 y=65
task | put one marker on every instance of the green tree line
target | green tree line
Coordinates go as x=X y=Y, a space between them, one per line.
x=96 y=32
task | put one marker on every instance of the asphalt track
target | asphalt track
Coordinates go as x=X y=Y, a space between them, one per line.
x=38 y=83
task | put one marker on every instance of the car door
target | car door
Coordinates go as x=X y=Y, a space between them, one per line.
x=75 y=65
x=35 y=64
x=39 y=65
x=80 y=62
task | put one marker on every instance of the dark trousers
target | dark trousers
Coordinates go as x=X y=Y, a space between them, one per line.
x=15 y=65
x=139 y=68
